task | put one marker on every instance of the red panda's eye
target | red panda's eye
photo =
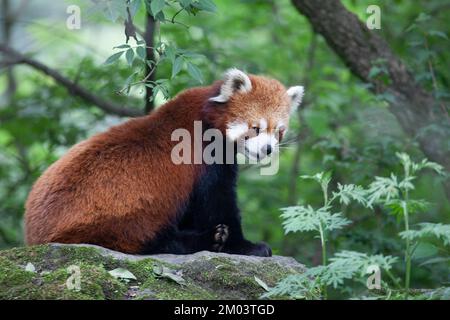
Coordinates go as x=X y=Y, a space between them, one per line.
x=256 y=130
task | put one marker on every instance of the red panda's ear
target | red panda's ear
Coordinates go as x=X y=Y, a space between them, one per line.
x=296 y=95
x=234 y=81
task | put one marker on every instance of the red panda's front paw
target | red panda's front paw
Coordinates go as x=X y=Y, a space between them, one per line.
x=221 y=233
x=260 y=249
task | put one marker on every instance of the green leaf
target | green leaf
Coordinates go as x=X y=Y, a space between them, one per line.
x=374 y=71
x=177 y=65
x=160 y=16
x=411 y=27
x=191 y=55
x=344 y=265
x=194 y=72
x=305 y=218
x=435 y=260
x=348 y=265
x=113 y=57
x=437 y=33
x=348 y=192
x=386 y=96
x=185 y=3
x=323 y=178
x=134 y=6
x=424 y=250
x=130 y=56
x=121 y=273
x=162 y=87
x=423 y=17
x=122 y=46
x=170 y=52
x=205 y=5
x=383 y=189
x=157 y=6
x=262 y=283
x=165 y=272
x=30 y=267
x=429 y=230
x=298 y=286
x=141 y=52
x=127 y=83
x=114 y=9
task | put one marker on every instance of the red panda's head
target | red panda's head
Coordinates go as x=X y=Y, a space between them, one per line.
x=253 y=111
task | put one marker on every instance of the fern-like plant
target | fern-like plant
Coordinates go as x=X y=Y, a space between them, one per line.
x=344 y=265
x=391 y=192
x=394 y=194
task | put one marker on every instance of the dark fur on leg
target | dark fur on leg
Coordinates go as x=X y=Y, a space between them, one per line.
x=214 y=202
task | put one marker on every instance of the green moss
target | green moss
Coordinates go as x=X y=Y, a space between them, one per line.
x=205 y=278
x=13 y=278
x=231 y=280
x=162 y=288
x=142 y=269
x=47 y=257
x=165 y=289
x=31 y=254
x=96 y=283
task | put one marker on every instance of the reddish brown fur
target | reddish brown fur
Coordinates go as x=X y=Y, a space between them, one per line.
x=119 y=188
x=267 y=100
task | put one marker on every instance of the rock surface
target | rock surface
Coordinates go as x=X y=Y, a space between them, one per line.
x=52 y=271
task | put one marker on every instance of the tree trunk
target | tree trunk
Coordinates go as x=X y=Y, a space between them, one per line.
x=416 y=110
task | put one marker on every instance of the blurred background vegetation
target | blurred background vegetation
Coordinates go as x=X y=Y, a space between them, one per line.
x=342 y=126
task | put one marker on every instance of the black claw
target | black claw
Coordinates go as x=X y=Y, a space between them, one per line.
x=261 y=250
x=220 y=236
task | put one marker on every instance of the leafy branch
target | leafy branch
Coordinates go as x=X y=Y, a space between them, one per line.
x=71 y=86
x=162 y=51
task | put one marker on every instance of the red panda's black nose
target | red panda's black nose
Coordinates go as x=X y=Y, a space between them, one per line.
x=268 y=149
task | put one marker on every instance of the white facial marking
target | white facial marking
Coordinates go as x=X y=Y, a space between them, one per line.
x=256 y=147
x=236 y=129
x=263 y=124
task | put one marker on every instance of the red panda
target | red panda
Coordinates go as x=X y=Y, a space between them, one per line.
x=120 y=189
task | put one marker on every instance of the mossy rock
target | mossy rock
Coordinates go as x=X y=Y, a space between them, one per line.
x=51 y=272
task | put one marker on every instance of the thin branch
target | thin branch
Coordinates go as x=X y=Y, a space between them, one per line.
x=71 y=86
x=175 y=15
x=143 y=81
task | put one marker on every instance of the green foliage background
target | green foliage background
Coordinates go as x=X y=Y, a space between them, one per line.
x=342 y=128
